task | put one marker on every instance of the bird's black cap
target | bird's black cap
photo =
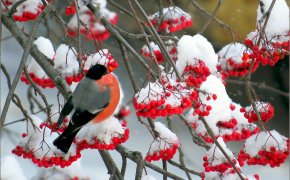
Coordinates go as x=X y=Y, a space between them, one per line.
x=96 y=72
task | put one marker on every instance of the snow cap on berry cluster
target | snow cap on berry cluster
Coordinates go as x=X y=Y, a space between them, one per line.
x=170 y=48
x=193 y=48
x=66 y=62
x=164 y=146
x=104 y=135
x=44 y=45
x=174 y=19
x=164 y=134
x=265 y=140
x=28 y=10
x=37 y=145
x=157 y=99
x=220 y=107
x=265 y=109
x=102 y=57
x=155 y=91
x=267 y=147
x=231 y=60
x=99 y=3
x=241 y=129
x=232 y=51
x=52 y=125
x=215 y=156
x=73 y=172
x=10 y=169
x=278 y=21
x=94 y=29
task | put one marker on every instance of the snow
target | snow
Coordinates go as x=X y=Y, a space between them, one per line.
x=165 y=140
x=101 y=57
x=153 y=46
x=221 y=106
x=45 y=46
x=148 y=177
x=174 y=19
x=261 y=107
x=65 y=61
x=238 y=115
x=92 y=23
x=171 y=13
x=232 y=51
x=34 y=138
x=193 y=48
x=265 y=140
x=10 y=169
x=215 y=155
x=278 y=22
x=104 y=131
x=28 y=6
x=156 y=91
x=99 y=3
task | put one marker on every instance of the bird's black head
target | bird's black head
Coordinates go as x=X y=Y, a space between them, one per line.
x=96 y=72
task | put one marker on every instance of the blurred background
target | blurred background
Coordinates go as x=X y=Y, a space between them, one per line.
x=240 y=15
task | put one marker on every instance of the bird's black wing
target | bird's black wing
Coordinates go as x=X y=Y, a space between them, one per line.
x=66 y=110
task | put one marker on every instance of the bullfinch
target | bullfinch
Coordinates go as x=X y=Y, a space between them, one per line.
x=95 y=99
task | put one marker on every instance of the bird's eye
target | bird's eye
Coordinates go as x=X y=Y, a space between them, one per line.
x=261 y=3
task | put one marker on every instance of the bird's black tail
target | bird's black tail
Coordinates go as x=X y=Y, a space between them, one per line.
x=79 y=119
x=64 y=141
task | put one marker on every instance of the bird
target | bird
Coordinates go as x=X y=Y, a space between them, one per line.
x=95 y=99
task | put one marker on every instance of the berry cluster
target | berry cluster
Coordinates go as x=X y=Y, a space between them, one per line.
x=270 y=148
x=124 y=112
x=164 y=146
x=274 y=158
x=94 y=29
x=232 y=61
x=228 y=124
x=70 y=9
x=165 y=154
x=265 y=109
x=53 y=125
x=217 y=163
x=28 y=10
x=163 y=100
x=267 y=54
x=219 y=167
x=43 y=82
x=174 y=19
x=170 y=47
x=105 y=135
x=103 y=57
x=237 y=69
x=194 y=75
x=95 y=143
x=240 y=132
x=157 y=53
x=45 y=162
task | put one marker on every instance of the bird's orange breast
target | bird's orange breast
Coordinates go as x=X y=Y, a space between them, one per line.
x=114 y=101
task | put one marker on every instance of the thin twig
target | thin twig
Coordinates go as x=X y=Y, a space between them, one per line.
x=211 y=18
x=261 y=85
x=18 y=73
x=211 y=133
